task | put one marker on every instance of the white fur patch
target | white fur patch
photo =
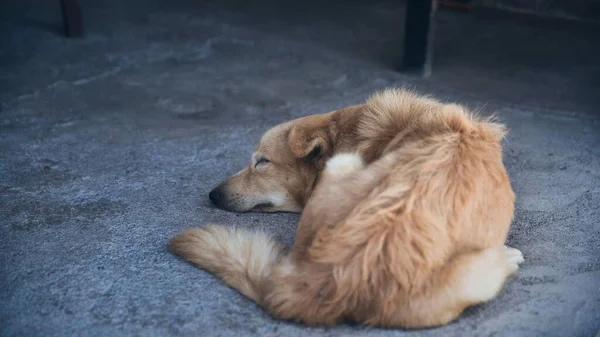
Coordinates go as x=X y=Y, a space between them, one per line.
x=276 y=198
x=286 y=266
x=342 y=164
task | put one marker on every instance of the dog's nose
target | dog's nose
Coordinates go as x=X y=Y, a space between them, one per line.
x=215 y=196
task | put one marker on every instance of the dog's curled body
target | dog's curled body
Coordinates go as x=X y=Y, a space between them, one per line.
x=407 y=231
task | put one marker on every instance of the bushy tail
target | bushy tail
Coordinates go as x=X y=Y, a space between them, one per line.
x=258 y=267
x=243 y=259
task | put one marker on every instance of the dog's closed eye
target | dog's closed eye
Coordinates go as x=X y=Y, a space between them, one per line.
x=261 y=162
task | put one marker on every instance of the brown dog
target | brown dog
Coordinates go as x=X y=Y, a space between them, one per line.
x=405 y=228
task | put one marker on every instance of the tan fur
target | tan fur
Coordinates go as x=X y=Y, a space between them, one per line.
x=407 y=234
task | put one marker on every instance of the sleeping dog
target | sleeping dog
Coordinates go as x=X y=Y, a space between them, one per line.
x=406 y=206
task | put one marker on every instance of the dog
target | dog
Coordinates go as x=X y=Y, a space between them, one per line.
x=406 y=206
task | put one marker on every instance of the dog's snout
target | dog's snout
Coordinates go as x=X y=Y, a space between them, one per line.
x=216 y=196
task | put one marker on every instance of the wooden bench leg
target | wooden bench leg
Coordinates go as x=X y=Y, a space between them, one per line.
x=72 y=20
x=418 y=36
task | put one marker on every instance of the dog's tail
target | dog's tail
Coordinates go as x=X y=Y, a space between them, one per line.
x=243 y=259
x=258 y=267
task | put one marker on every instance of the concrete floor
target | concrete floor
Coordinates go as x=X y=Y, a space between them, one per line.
x=110 y=144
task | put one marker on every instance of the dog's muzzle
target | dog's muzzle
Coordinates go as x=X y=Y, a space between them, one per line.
x=217 y=197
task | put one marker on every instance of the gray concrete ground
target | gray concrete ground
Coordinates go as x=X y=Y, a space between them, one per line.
x=110 y=144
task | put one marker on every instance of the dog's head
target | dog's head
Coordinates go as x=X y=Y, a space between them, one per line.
x=283 y=170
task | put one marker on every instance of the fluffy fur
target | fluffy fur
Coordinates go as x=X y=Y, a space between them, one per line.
x=405 y=227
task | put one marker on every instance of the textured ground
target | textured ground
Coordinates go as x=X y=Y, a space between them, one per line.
x=110 y=144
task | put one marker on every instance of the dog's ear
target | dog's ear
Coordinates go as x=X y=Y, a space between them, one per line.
x=308 y=145
x=311 y=137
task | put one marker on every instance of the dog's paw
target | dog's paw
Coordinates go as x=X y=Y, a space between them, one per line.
x=484 y=275
x=514 y=258
x=344 y=163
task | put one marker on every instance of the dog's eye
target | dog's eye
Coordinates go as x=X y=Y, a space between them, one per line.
x=261 y=162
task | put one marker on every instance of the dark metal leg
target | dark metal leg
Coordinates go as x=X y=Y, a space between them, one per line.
x=72 y=20
x=418 y=36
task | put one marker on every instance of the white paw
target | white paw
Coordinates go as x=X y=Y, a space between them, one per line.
x=486 y=273
x=514 y=258
x=342 y=164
